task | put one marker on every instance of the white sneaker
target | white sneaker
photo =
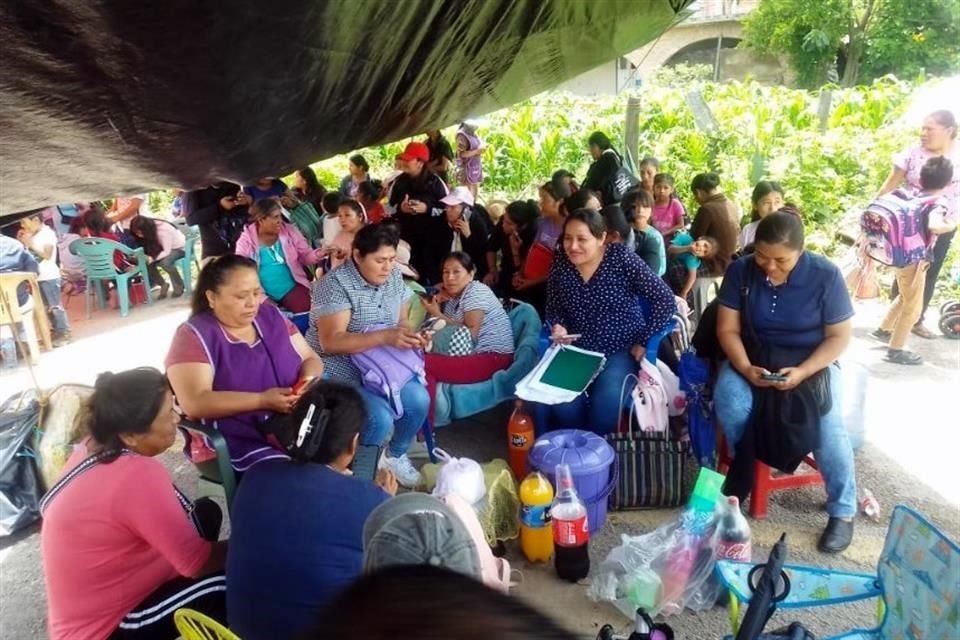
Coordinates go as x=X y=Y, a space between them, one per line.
x=406 y=474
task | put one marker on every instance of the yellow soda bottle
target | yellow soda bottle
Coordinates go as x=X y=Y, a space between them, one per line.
x=536 y=532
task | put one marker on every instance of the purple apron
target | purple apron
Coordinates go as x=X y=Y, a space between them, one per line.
x=238 y=366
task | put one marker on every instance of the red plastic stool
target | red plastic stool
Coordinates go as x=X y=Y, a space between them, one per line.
x=767 y=480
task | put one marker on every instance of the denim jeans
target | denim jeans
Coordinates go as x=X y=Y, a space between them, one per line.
x=381 y=421
x=50 y=292
x=734 y=401
x=599 y=409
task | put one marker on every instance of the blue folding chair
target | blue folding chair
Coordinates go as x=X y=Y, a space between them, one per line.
x=917 y=583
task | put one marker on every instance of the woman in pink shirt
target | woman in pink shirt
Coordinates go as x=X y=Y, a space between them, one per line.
x=938 y=137
x=163 y=243
x=122 y=548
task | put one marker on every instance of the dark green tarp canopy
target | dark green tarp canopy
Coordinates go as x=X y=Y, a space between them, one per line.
x=102 y=97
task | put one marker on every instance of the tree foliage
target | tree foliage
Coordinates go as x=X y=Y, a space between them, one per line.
x=864 y=38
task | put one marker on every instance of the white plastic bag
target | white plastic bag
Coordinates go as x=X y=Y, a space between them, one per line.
x=460 y=477
x=650 y=399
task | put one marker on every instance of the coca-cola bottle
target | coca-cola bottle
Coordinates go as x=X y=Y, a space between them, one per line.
x=733 y=534
x=571 y=537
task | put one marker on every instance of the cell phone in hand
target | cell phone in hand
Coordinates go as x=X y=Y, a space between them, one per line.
x=774 y=377
x=364 y=465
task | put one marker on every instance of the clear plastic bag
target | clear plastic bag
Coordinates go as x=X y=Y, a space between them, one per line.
x=663 y=571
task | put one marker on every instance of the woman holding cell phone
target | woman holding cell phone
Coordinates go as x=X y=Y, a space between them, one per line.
x=784 y=319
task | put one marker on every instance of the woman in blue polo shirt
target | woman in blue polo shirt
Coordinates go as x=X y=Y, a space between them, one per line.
x=609 y=296
x=797 y=303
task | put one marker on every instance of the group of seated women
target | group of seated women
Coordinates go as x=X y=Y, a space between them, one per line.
x=595 y=275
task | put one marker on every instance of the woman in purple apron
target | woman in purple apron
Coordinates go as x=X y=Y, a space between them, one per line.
x=469 y=150
x=235 y=362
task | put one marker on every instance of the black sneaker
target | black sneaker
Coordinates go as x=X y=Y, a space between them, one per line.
x=902 y=356
x=881 y=335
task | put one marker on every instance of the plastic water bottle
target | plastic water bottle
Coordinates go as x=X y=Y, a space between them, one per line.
x=8 y=350
x=571 y=534
x=520 y=437
x=536 y=536
x=733 y=533
x=870 y=506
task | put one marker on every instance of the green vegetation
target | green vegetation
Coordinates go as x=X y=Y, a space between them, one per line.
x=763 y=132
x=866 y=39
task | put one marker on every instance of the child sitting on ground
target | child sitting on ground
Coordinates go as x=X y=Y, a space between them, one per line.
x=685 y=256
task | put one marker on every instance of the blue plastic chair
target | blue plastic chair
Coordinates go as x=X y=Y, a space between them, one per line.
x=97 y=256
x=918 y=581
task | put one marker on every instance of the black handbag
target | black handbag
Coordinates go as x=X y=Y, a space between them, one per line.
x=652 y=468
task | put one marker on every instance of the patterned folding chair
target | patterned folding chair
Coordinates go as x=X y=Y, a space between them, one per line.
x=917 y=581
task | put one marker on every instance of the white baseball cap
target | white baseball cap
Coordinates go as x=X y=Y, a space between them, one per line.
x=460 y=195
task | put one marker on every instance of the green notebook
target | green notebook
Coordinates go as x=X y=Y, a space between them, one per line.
x=572 y=369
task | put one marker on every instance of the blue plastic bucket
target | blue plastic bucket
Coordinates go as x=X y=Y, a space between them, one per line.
x=590 y=458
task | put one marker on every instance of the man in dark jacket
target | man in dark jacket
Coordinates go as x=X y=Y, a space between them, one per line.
x=416 y=198
x=220 y=212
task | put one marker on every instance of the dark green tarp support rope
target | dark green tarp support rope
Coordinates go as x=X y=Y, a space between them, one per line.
x=104 y=97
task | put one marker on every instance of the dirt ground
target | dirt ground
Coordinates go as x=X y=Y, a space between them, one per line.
x=909 y=457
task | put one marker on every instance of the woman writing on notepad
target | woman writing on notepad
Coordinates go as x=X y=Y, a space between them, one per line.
x=602 y=298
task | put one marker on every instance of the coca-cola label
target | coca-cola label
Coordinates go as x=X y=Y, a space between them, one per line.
x=535 y=517
x=741 y=551
x=571 y=533
x=519 y=440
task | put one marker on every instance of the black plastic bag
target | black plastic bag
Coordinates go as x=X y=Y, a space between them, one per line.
x=20 y=490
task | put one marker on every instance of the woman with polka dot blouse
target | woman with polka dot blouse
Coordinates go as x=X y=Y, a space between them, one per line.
x=609 y=297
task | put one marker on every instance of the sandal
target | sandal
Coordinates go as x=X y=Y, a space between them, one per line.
x=902 y=356
x=923 y=332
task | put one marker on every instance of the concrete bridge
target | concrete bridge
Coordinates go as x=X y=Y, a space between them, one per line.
x=693 y=41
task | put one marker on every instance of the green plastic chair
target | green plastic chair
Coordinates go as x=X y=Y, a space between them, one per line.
x=217 y=474
x=189 y=259
x=97 y=256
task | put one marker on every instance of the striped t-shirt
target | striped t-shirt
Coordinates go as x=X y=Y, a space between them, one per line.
x=496 y=333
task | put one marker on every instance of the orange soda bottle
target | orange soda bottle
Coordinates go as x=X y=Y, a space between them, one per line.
x=520 y=437
x=536 y=532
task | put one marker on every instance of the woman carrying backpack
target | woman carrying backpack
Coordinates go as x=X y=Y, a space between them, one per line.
x=938 y=138
x=605 y=171
x=907 y=308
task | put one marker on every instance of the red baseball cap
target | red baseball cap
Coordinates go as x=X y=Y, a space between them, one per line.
x=415 y=151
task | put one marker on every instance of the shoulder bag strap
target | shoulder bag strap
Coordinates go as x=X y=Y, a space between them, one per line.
x=78 y=470
x=90 y=463
x=746 y=325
